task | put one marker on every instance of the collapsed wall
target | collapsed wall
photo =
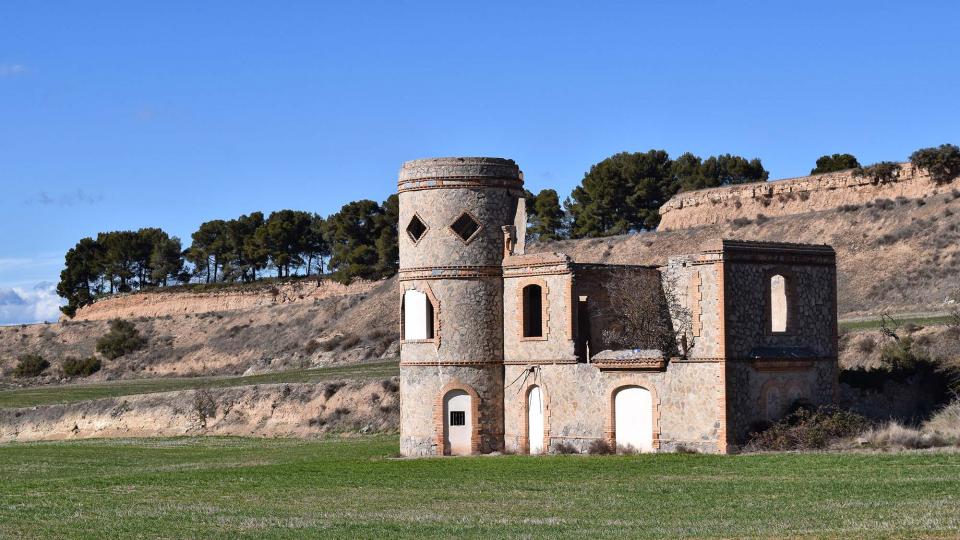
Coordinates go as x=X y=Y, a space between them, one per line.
x=789 y=196
x=159 y=303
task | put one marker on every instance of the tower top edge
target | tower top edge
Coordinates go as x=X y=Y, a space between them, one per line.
x=460 y=167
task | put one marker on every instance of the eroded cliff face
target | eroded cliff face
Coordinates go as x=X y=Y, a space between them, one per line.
x=181 y=302
x=789 y=197
x=274 y=410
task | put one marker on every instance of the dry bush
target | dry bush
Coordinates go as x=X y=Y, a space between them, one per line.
x=204 y=405
x=564 y=448
x=390 y=386
x=867 y=345
x=946 y=422
x=895 y=436
x=332 y=388
x=807 y=429
x=601 y=447
x=311 y=346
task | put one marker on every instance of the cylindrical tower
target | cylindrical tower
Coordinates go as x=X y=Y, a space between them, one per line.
x=452 y=217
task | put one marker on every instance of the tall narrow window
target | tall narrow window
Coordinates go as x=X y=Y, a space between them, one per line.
x=417 y=316
x=778 y=304
x=532 y=311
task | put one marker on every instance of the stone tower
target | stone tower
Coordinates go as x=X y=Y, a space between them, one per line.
x=456 y=215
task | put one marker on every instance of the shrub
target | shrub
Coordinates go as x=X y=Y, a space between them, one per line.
x=123 y=338
x=30 y=365
x=311 y=346
x=808 y=429
x=81 y=367
x=349 y=342
x=761 y=219
x=867 y=345
x=835 y=162
x=204 y=406
x=893 y=435
x=390 y=386
x=880 y=173
x=332 y=388
x=946 y=422
x=941 y=163
x=564 y=448
x=601 y=447
x=904 y=355
x=849 y=208
x=740 y=222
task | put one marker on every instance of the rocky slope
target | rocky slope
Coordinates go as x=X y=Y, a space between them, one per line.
x=277 y=410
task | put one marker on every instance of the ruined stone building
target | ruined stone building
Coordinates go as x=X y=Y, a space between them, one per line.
x=507 y=351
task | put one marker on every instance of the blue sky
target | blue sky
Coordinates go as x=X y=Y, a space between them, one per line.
x=116 y=116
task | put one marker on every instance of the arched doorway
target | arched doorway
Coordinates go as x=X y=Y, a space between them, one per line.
x=535 y=428
x=457 y=423
x=633 y=418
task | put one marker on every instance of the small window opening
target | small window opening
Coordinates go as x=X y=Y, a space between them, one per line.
x=458 y=418
x=416 y=228
x=583 y=329
x=417 y=315
x=778 y=304
x=532 y=311
x=465 y=227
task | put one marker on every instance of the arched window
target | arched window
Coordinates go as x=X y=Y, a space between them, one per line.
x=778 y=303
x=417 y=315
x=532 y=311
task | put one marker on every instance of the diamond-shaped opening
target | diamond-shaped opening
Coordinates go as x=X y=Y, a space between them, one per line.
x=465 y=226
x=416 y=229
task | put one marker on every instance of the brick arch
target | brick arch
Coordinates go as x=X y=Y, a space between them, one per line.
x=610 y=431
x=525 y=421
x=438 y=419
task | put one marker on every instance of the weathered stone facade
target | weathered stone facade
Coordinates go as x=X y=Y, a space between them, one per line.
x=694 y=343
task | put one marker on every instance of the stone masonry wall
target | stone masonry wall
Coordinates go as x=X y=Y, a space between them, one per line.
x=759 y=393
x=579 y=410
x=557 y=342
x=786 y=197
x=421 y=395
x=697 y=284
x=812 y=310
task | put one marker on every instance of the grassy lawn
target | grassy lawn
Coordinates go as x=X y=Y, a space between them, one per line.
x=873 y=324
x=281 y=488
x=68 y=393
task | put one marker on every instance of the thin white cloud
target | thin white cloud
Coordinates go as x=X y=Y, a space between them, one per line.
x=12 y=70
x=21 y=305
x=71 y=198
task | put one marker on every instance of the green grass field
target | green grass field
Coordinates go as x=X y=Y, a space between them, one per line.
x=69 y=393
x=281 y=488
x=873 y=324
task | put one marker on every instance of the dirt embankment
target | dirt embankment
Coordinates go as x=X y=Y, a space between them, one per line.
x=161 y=303
x=312 y=332
x=788 y=197
x=276 y=410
